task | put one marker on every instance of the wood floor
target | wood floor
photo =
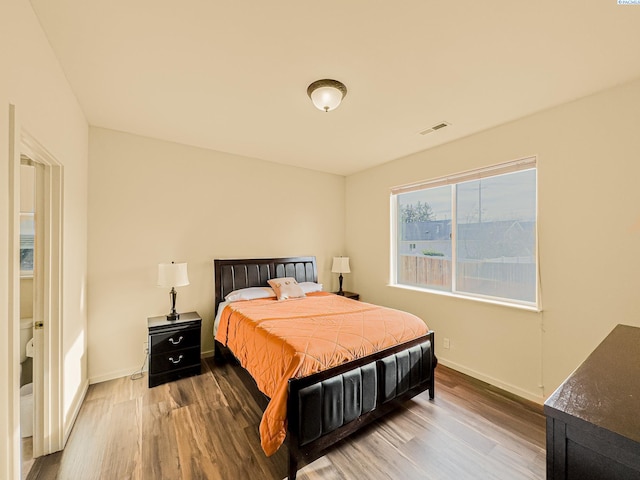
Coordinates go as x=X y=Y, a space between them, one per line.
x=205 y=427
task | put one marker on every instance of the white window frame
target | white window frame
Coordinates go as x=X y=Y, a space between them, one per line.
x=453 y=180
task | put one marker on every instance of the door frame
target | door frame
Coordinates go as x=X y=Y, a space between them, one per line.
x=47 y=362
x=48 y=425
x=11 y=365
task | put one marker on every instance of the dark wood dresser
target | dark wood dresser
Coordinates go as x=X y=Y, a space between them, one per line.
x=174 y=348
x=593 y=418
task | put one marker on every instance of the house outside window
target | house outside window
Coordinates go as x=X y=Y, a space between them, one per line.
x=472 y=234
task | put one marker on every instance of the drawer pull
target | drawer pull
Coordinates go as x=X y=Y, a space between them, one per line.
x=175 y=361
x=173 y=342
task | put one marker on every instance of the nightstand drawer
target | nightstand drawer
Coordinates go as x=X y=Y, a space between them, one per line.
x=164 y=362
x=175 y=340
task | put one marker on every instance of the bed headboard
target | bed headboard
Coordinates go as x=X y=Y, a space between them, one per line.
x=230 y=275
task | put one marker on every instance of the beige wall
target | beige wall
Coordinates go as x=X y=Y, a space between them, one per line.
x=589 y=233
x=152 y=201
x=27 y=188
x=26 y=297
x=47 y=108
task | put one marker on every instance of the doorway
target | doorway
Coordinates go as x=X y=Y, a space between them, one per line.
x=45 y=345
x=47 y=306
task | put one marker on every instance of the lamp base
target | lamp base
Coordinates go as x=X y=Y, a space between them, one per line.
x=173 y=315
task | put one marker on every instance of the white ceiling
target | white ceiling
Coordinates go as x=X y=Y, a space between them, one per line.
x=232 y=75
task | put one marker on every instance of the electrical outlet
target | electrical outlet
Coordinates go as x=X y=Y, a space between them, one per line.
x=145 y=348
x=446 y=343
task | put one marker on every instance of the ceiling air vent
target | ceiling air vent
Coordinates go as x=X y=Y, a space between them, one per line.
x=438 y=126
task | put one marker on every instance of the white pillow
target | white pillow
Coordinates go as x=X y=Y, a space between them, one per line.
x=310 y=287
x=251 y=293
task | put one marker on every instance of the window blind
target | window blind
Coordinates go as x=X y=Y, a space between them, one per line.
x=476 y=174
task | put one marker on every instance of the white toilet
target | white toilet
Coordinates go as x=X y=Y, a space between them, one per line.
x=26 y=391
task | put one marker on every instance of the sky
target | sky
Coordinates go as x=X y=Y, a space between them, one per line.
x=511 y=196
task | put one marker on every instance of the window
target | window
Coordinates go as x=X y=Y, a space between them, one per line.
x=27 y=233
x=471 y=234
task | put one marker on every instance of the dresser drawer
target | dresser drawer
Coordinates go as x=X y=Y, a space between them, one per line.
x=174 y=340
x=167 y=361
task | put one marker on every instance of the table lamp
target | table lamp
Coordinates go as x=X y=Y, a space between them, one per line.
x=340 y=265
x=172 y=275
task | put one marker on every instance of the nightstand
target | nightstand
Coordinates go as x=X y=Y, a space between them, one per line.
x=351 y=295
x=174 y=348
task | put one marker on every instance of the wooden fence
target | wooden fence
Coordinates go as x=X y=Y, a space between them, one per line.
x=425 y=270
x=500 y=279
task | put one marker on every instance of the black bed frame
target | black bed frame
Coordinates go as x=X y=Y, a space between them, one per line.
x=326 y=407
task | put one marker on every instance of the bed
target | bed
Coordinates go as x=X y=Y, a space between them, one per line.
x=324 y=407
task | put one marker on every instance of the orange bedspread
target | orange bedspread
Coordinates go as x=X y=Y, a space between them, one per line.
x=276 y=341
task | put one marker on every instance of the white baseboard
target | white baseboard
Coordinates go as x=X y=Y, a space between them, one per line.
x=129 y=371
x=534 y=397
x=74 y=411
x=116 y=374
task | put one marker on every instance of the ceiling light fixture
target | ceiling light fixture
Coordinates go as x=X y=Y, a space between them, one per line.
x=326 y=94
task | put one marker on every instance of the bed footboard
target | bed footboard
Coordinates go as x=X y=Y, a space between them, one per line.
x=328 y=406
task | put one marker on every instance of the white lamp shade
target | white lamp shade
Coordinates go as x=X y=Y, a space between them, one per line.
x=326 y=98
x=340 y=265
x=172 y=275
